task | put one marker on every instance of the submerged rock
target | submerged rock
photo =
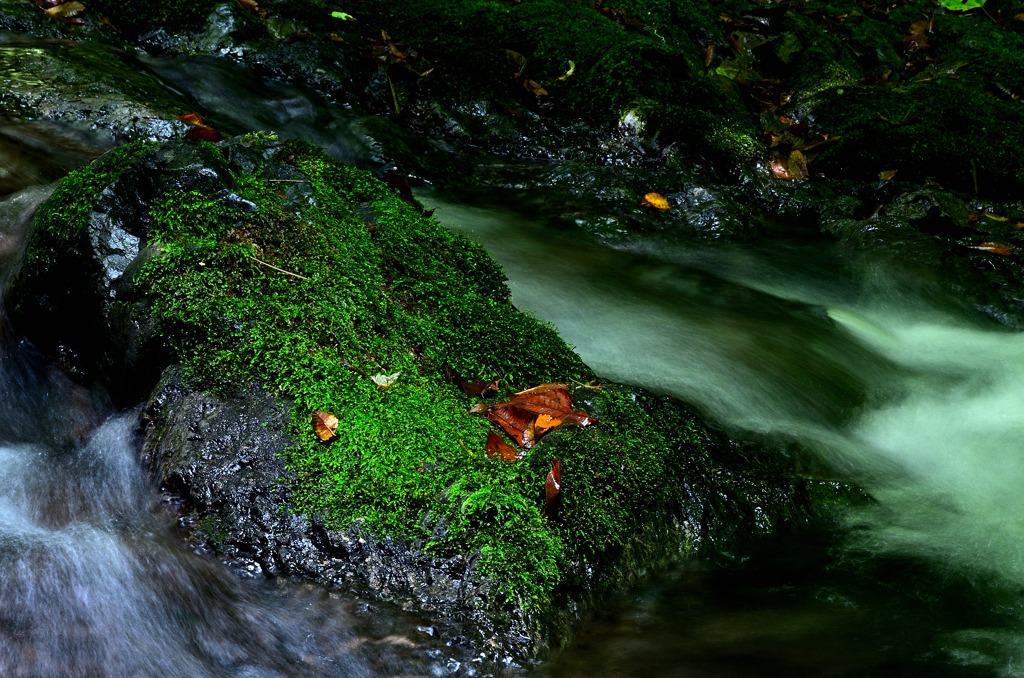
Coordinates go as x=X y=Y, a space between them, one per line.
x=265 y=280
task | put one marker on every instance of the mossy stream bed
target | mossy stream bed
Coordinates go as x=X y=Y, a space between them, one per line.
x=804 y=459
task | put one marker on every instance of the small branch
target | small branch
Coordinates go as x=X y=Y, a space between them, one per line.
x=276 y=268
x=287 y=181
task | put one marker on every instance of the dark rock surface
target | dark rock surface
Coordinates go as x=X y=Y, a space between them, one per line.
x=221 y=461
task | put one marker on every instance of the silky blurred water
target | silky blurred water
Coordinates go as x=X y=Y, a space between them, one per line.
x=891 y=381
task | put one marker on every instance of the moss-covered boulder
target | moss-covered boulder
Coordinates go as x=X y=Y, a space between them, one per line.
x=282 y=282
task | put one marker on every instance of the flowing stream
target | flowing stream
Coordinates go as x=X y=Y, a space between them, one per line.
x=888 y=380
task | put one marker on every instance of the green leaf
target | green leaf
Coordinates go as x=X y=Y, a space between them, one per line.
x=786 y=47
x=729 y=68
x=343 y=16
x=962 y=5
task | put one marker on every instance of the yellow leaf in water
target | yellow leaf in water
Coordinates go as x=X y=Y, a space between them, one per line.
x=887 y=175
x=656 y=200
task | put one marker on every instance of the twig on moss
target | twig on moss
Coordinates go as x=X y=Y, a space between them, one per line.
x=258 y=261
x=287 y=181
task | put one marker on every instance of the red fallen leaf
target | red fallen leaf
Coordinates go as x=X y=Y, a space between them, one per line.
x=580 y=417
x=204 y=134
x=499 y=449
x=553 y=487
x=480 y=389
x=544 y=388
x=192 y=119
x=515 y=422
x=995 y=248
x=553 y=403
x=324 y=425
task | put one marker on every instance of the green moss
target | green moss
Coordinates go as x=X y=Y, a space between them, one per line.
x=406 y=296
x=62 y=219
x=616 y=69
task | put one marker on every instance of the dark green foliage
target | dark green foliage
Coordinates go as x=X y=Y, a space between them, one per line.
x=139 y=17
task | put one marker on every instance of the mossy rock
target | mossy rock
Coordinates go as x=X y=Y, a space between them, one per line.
x=266 y=267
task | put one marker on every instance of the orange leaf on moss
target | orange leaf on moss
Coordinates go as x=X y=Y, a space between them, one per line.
x=325 y=425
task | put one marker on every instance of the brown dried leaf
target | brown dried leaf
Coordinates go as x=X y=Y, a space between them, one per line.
x=518 y=58
x=995 y=248
x=534 y=88
x=731 y=39
x=325 y=425
x=480 y=389
x=499 y=449
x=709 y=54
x=780 y=167
x=554 y=403
x=514 y=421
x=553 y=487
x=544 y=388
x=66 y=10
x=915 y=39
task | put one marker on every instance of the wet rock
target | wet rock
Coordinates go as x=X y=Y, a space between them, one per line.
x=222 y=462
x=87 y=85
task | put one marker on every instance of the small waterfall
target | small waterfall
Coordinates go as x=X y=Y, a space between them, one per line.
x=92 y=580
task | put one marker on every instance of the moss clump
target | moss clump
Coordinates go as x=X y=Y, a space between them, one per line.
x=657 y=68
x=371 y=287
